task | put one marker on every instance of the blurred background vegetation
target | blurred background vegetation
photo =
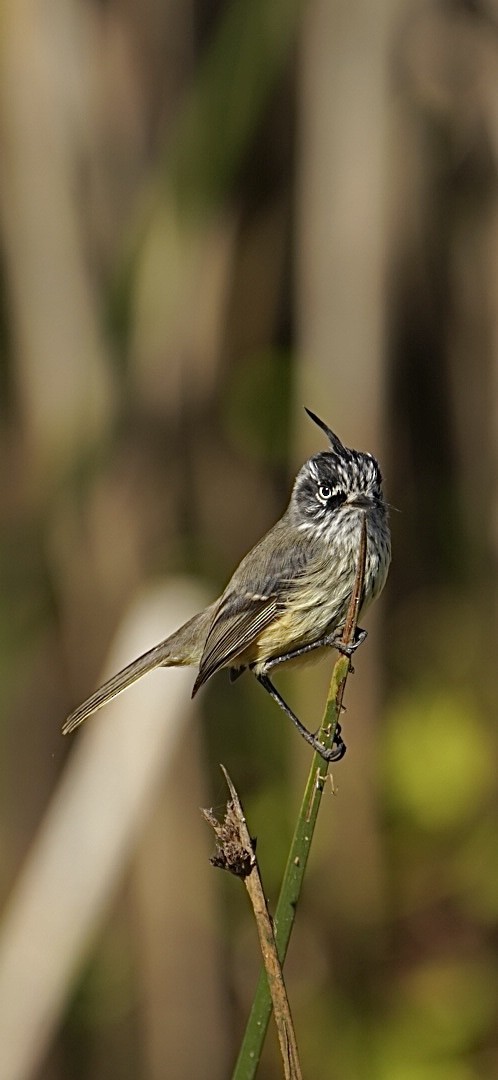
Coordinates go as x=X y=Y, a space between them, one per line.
x=212 y=213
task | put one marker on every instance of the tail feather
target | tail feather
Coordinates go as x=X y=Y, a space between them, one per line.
x=182 y=648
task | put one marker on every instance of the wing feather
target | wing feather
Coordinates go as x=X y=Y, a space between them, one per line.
x=258 y=592
x=233 y=631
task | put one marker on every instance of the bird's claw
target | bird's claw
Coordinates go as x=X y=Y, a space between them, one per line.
x=336 y=751
x=348 y=650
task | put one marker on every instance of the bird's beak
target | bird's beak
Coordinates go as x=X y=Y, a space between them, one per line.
x=363 y=502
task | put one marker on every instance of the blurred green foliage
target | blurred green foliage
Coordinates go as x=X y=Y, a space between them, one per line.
x=450 y=776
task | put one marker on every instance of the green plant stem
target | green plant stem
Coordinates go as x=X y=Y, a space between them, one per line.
x=252 y=1044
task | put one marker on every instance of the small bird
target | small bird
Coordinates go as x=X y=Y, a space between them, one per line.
x=288 y=598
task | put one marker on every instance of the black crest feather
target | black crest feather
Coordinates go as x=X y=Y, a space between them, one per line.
x=335 y=442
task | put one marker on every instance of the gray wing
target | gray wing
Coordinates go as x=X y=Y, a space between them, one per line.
x=256 y=594
x=236 y=625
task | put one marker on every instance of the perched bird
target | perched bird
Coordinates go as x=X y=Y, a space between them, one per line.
x=288 y=598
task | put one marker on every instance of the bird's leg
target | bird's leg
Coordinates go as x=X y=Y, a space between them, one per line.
x=335 y=753
x=331 y=641
x=301 y=650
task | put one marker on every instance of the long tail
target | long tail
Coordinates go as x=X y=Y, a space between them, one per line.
x=182 y=648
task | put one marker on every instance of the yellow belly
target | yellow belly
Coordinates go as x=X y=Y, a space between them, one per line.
x=285 y=634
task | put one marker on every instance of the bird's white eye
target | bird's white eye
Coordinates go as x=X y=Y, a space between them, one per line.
x=324 y=491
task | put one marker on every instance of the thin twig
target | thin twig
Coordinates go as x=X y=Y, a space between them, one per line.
x=235 y=852
x=252 y=1045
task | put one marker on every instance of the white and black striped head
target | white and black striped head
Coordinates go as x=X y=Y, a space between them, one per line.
x=331 y=485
